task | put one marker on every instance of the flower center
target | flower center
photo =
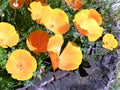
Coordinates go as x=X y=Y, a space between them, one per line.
x=20 y=66
x=51 y=26
x=1 y=41
x=15 y=4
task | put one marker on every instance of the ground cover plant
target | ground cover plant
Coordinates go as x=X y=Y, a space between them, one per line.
x=38 y=36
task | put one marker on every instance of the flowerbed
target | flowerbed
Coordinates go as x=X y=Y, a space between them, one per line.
x=47 y=35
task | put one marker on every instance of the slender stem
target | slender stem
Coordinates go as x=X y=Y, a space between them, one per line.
x=75 y=38
x=16 y=1
x=14 y=14
x=19 y=83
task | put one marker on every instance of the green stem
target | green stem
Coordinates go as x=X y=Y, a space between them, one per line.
x=75 y=38
x=19 y=83
x=14 y=14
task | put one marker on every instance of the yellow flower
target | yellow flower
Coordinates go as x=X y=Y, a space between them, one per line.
x=21 y=65
x=56 y=20
x=8 y=35
x=109 y=42
x=69 y=59
x=37 y=10
x=87 y=22
x=94 y=31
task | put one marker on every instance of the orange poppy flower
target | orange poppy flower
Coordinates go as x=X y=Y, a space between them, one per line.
x=16 y=4
x=69 y=59
x=8 y=35
x=109 y=42
x=21 y=65
x=56 y=21
x=37 y=41
x=74 y=4
x=95 y=15
x=94 y=31
x=37 y=10
x=87 y=22
x=54 y=48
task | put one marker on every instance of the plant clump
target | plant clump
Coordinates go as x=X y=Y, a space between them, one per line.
x=47 y=35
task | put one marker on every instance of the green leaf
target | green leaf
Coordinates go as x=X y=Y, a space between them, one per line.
x=4 y=4
x=3 y=57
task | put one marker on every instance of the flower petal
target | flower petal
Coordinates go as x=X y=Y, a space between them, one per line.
x=74 y=4
x=81 y=16
x=95 y=15
x=54 y=60
x=94 y=31
x=80 y=30
x=37 y=41
x=54 y=47
x=87 y=22
x=23 y=64
x=55 y=44
x=8 y=35
x=109 y=42
x=57 y=21
x=94 y=35
x=22 y=76
x=71 y=57
x=37 y=11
